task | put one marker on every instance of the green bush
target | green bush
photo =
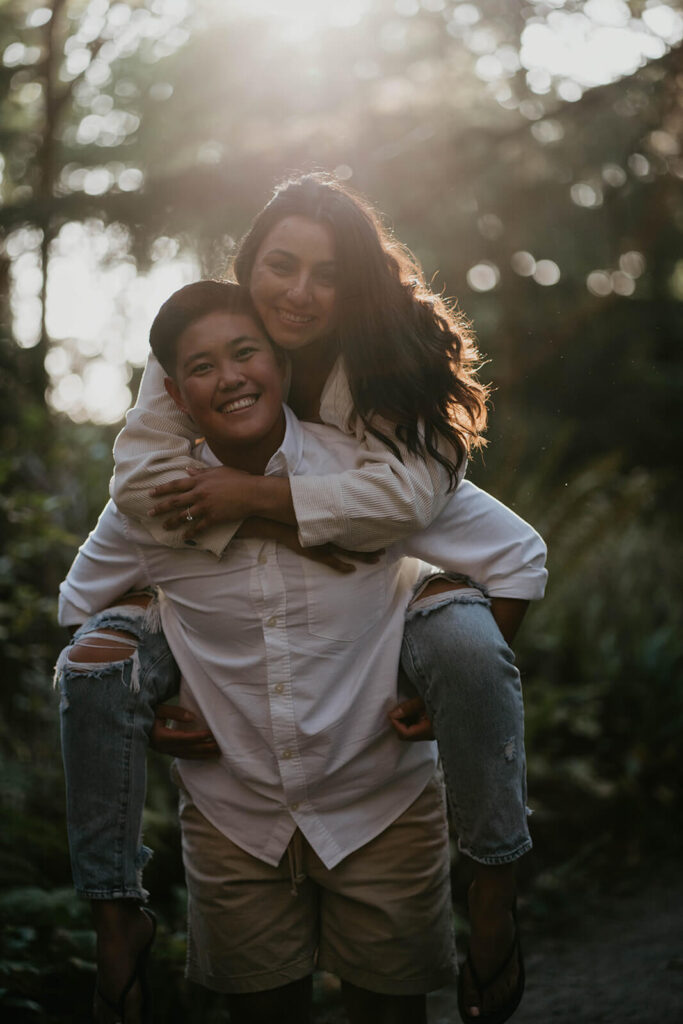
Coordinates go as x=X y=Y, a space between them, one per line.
x=603 y=656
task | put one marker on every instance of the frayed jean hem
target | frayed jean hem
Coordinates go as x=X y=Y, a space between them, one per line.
x=495 y=859
x=139 y=895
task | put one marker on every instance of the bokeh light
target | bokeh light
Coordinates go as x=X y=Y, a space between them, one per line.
x=359 y=87
x=483 y=277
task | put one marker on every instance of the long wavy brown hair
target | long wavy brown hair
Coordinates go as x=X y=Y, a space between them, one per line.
x=409 y=354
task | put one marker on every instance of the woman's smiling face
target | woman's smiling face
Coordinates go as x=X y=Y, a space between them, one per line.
x=293 y=282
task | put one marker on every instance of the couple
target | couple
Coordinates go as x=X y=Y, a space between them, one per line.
x=293 y=668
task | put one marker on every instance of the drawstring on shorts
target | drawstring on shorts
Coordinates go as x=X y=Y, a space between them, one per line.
x=295 y=856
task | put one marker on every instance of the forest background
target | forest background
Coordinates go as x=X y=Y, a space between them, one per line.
x=530 y=154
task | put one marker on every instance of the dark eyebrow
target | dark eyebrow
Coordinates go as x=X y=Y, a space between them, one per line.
x=292 y=256
x=248 y=337
x=280 y=252
x=194 y=357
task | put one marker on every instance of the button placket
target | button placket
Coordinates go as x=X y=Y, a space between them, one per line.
x=279 y=676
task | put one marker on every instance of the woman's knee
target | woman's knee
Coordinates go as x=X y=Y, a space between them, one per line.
x=108 y=646
x=122 y=643
x=457 y=628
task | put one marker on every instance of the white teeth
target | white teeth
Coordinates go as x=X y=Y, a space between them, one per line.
x=239 y=403
x=293 y=318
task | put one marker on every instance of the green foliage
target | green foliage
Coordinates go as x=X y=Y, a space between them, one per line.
x=50 y=496
x=604 y=661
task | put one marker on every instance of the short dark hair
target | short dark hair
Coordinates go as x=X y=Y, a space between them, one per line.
x=189 y=304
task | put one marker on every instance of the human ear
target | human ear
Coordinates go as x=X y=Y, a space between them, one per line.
x=176 y=394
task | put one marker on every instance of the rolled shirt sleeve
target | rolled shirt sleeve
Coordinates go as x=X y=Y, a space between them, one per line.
x=383 y=499
x=380 y=502
x=478 y=536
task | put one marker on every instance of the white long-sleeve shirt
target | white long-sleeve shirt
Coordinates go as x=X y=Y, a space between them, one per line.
x=376 y=501
x=292 y=665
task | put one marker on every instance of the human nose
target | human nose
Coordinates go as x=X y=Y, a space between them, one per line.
x=300 y=287
x=231 y=376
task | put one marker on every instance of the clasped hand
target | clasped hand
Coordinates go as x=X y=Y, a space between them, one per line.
x=410 y=722
x=215 y=495
x=189 y=743
x=210 y=497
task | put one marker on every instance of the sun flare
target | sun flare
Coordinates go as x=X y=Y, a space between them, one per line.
x=301 y=18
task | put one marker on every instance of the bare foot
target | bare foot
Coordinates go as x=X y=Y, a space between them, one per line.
x=124 y=929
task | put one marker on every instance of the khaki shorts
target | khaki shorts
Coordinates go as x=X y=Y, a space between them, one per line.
x=381 y=919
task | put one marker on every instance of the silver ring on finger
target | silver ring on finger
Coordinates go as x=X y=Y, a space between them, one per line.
x=189 y=516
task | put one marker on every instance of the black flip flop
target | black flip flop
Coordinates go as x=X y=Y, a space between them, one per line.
x=505 y=1011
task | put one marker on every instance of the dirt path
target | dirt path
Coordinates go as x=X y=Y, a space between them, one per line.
x=621 y=964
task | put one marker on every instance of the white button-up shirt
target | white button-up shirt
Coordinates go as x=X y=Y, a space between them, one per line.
x=293 y=666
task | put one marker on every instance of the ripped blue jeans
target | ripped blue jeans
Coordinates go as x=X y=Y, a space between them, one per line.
x=453 y=655
x=107 y=712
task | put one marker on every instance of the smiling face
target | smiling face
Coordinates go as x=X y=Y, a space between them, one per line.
x=229 y=380
x=293 y=282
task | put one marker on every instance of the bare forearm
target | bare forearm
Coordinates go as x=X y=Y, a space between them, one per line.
x=271 y=498
x=508 y=613
x=259 y=528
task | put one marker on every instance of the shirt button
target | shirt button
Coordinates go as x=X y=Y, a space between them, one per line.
x=294 y=807
x=272 y=621
x=286 y=754
x=262 y=558
x=279 y=687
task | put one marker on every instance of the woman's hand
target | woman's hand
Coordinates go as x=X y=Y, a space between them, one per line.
x=202 y=498
x=410 y=721
x=190 y=743
x=327 y=554
x=209 y=496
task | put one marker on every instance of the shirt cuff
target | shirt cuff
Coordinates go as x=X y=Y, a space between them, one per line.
x=522 y=587
x=318 y=504
x=215 y=539
x=70 y=614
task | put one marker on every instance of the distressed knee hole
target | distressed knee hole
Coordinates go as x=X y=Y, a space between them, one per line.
x=106 y=647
